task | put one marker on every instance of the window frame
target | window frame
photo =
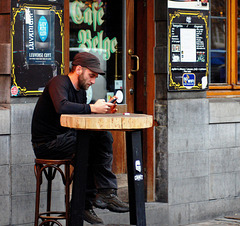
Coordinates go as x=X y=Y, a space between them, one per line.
x=231 y=87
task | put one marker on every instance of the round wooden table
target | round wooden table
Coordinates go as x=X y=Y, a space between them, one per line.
x=132 y=124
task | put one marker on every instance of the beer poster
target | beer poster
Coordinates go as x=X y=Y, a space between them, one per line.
x=37 y=37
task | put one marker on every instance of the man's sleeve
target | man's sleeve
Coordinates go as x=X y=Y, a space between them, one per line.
x=58 y=91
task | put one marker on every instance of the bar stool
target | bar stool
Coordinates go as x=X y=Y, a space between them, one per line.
x=50 y=167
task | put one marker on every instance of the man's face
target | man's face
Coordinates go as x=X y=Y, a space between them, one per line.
x=86 y=78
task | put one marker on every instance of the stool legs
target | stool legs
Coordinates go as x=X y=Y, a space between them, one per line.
x=37 y=170
x=67 y=192
x=50 y=167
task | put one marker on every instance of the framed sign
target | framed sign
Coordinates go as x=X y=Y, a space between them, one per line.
x=37 y=46
x=188 y=47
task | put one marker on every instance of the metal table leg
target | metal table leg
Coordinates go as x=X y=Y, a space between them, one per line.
x=79 y=179
x=135 y=178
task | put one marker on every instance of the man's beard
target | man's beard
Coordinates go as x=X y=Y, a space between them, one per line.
x=82 y=82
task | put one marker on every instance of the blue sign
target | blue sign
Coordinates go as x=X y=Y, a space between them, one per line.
x=188 y=80
x=40 y=39
x=43 y=28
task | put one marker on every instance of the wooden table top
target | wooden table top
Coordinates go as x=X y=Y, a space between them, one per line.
x=117 y=121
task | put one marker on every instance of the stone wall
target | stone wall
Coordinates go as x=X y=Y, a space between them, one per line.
x=17 y=179
x=198 y=158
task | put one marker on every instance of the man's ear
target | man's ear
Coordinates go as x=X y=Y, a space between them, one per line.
x=79 y=70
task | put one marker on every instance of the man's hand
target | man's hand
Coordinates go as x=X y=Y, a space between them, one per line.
x=101 y=107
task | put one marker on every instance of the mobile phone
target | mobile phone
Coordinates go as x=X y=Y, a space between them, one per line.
x=113 y=100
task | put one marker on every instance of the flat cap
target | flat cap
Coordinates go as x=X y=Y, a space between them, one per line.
x=89 y=61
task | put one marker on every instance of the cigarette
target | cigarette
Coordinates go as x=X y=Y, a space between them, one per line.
x=126 y=113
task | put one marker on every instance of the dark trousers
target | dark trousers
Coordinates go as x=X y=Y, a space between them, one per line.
x=100 y=175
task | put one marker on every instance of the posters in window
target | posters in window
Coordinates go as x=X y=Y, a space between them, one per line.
x=188 y=41
x=189 y=4
x=37 y=45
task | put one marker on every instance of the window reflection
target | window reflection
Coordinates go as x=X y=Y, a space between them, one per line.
x=218 y=8
x=96 y=27
x=238 y=40
x=218 y=67
x=218 y=41
x=218 y=31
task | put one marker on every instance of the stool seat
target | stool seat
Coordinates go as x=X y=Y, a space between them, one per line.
x=50 y=167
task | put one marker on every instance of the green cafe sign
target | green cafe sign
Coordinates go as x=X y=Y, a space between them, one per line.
x=92 y=17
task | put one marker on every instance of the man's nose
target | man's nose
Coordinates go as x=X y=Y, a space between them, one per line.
x=93 y=80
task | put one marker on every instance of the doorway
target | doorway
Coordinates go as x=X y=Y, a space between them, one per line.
x=116 y=32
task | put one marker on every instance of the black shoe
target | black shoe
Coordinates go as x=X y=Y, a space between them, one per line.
x=91 y=217
x=107 y=198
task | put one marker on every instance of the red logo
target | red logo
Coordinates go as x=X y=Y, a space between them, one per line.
x=14 y=90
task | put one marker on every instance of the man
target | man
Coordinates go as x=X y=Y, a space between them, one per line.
x=66 y=94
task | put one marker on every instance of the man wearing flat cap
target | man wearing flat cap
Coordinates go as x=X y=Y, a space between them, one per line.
x=66 y=94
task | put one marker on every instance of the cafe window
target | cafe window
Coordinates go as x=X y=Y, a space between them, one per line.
x=224 y=74
x=96 y=27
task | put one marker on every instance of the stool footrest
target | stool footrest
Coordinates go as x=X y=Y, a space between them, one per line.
x=61 y=215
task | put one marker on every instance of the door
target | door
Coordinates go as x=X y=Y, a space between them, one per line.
x=107 y=28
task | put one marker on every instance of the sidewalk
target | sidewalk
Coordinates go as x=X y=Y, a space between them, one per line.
x=157 y=215
x=218 y=221
x=226 y=220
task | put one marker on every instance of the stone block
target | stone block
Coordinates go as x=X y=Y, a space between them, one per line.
x=161 y=114
x=5 y=85
x=23 y=179
x=222 y=136
x=21 y=117
x=161 y=164
x=224 y=110
x=184 y=112
x=161 y=87
x=222 y=185
x=161 y=134
x=188 y=164
x=224 y=160
x=237 y=134
x=187 y=138
x=4 y=120
x=5 y=210
x=22 y=151
x=157 y=214
x=161 y=10
x=5 y=57
x=185 y=190
x=200 y=211
x=161 y=30
x=23 y=206
x=160 y=56
x=161 y=194
x=179 y=214
x=4 y=150
x=237 y=184
x=4 y=180
x=186 y=95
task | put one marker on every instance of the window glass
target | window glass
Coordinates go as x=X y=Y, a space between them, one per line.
x=218 y=41
x=218 y=31
x=96 y=27
x=238 y=40
x=218 y=68
x=218 y=8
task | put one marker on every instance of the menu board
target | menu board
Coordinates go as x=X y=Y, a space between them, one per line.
x=188 y=49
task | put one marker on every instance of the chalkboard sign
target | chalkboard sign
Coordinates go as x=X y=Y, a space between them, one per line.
x=37 y=45
x=188 y=48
